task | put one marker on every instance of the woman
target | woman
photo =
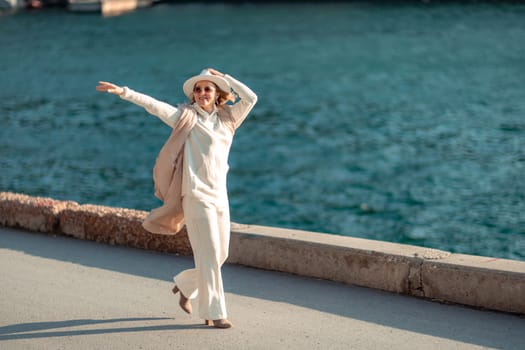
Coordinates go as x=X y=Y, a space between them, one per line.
x=190 y=179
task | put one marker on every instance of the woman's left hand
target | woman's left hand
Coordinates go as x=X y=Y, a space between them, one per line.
x=215 y=72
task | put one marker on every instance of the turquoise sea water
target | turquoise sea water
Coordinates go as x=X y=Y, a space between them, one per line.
x=403 y=123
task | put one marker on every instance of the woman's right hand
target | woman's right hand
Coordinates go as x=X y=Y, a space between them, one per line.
x=104 y=86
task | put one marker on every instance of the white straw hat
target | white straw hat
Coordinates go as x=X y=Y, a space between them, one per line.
x=205 y=75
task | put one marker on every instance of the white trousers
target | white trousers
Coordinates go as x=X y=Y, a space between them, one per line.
x=208 y=227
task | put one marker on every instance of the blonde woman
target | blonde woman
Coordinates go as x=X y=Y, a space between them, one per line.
x=190 y=179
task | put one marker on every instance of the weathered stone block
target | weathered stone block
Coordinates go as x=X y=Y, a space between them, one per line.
x=118 y=226
x=32 y=213
x=491 y=283
x=331 y=257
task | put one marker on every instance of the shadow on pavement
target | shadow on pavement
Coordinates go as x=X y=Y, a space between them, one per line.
x=34 y=330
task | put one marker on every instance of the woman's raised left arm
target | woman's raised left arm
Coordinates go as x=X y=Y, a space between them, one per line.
x=248 y=98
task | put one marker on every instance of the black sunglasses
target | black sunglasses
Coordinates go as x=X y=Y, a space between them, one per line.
x=198 y=89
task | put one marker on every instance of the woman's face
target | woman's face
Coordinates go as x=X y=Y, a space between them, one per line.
x=205 y=94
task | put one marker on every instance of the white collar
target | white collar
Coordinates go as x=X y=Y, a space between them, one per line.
x=202 y=112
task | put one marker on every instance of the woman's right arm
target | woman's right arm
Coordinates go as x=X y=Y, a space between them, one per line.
x=166 y=112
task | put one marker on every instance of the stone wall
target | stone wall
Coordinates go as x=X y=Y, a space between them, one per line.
x=92 y=222
x=485 y=282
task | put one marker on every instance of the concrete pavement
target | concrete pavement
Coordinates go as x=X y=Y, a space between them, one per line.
x=63 y=293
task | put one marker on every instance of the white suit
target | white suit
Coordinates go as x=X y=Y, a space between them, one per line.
x=204 y=192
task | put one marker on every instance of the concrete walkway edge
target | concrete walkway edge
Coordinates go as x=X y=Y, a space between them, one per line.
x=483 y=282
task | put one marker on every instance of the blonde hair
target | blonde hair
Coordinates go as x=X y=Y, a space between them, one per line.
x=224 y=97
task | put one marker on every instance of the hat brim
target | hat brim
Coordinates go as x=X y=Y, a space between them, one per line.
x=219 y=81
